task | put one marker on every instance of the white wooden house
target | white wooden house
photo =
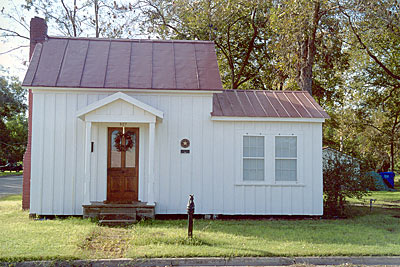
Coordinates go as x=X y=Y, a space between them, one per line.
x=238 y=152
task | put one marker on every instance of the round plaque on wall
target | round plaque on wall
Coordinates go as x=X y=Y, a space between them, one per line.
x=185 y=143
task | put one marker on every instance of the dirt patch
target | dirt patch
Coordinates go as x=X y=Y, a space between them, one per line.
x=108 y=242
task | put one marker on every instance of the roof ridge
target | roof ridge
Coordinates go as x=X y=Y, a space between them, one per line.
x=262 y=90
x=130 y=40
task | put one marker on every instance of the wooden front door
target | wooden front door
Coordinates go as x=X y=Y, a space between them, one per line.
x=122 y=165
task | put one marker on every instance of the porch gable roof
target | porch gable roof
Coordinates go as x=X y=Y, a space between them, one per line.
x=118 y=96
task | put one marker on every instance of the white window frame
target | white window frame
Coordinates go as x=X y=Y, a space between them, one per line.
x=298 y=177
x=243 y=181
x=269 y=158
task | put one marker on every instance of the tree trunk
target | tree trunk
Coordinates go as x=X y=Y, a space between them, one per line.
x=74 y=20
x=392 y=154
x=305 y=66
x=393 y=140
x=307 y=53
x=96 y=13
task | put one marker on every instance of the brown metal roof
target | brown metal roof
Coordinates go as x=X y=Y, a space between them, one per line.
x=125 y=64
x=261 y=103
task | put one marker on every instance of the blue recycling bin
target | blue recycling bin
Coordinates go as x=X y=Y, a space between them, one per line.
x=388 y=178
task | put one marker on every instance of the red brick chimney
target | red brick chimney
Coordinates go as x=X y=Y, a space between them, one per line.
x=38 y=34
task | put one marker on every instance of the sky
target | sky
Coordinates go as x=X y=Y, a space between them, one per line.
x=14 y=62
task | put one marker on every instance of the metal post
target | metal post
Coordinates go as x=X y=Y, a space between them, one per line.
x=190 y=211
x=370 y=203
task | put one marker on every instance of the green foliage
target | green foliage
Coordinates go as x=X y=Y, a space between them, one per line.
x=13 y=122
x=343 y=179
x=309 y=39
x=240 y=30
x=366 y=124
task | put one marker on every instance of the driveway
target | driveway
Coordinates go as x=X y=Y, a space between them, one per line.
x=10 y=185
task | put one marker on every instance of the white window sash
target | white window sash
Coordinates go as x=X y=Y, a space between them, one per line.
x=255 y=158
x=287 y=158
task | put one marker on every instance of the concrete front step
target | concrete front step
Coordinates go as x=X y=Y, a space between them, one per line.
x=117 y=216
x=137 y=204
x=114 y=211
x=116 y=222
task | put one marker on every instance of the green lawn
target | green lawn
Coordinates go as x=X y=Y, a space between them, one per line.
x=365 y=233
x=7 y=173
x=382 y=199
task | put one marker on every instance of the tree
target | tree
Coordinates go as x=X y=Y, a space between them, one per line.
x=343 y=178
x=97 y=18
x=375 y=27
x=309 y=42
x=13 y=123
x=88 y=18
x=240 y=30
x=374 y=39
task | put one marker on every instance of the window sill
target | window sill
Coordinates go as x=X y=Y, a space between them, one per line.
x=270 y=184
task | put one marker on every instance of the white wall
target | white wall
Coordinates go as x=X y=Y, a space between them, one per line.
x=212 y=170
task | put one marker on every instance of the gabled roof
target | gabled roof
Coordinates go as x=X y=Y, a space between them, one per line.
x=261 y=103
x=105 y=101
x=124 y=64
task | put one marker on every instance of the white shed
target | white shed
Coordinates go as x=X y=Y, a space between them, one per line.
x=146 y=123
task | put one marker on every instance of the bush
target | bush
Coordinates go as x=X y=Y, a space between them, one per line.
x=343 y=178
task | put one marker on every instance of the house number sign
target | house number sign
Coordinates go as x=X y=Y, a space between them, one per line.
x=185 y=143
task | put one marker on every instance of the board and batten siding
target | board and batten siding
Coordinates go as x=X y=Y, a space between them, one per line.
x=211 y=171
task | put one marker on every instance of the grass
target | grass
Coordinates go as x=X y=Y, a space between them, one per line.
x=382 y=199
x=25 y=239
x=7 y=173
x=365 y=233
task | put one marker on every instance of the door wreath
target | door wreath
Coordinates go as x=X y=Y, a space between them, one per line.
x=128 y=141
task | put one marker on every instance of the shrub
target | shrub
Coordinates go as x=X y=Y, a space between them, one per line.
x=343 y=178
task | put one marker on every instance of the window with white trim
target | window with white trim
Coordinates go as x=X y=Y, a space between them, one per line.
x=286 y=158
x=253 y=158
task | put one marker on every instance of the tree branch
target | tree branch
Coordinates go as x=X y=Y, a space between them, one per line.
x=249 y=50
x=15 y=48
x=72 y=19
x=15 y=34
x=164 y=22
x=373 y=126
x=370 y=54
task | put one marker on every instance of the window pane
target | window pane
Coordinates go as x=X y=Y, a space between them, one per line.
x=253 y=169
x=253 y=141
x=286 y=146
x=130 y=153
x=246 y=152
x=286 y=170
x=246 y=141
x=115 y=154
x=260 y=147
x=260 y=175
x=253 y=146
